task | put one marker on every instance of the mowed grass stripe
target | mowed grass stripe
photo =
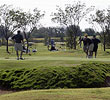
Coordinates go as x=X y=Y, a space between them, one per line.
x=58 y=58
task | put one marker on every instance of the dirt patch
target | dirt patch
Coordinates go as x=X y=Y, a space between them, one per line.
x=5 y=92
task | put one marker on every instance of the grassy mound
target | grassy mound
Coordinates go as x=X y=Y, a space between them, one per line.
x=83 y=76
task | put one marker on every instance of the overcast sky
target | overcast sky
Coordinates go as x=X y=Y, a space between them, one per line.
x=50 y=6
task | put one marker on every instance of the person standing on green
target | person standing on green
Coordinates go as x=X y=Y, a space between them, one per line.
x=86 y=44
x=18 y=39
x=96 y=42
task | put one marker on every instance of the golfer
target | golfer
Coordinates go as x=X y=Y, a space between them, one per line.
x=96 y=42
x=18 y=39
x=87 y=46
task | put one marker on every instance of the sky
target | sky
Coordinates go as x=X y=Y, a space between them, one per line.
x=49 y=6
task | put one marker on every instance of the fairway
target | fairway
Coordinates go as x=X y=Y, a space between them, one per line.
x=45 y=58
x=46 y=61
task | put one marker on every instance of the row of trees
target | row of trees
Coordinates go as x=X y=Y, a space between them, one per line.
x=69 y=18
x=58 y=32
x=48 y=31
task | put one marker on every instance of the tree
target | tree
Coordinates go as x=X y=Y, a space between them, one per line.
x=108 y=28
x=70 y=35
x=102 y=19
x=72 y=15
x=90 y=31
x=8 y=22
x=29 y=22
x=1 y=33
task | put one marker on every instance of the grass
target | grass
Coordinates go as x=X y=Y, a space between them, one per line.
x=40 y=61
x=60 y=94
x=43 y=57
x=13 y=64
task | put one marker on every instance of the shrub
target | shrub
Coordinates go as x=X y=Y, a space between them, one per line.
x=82 y=76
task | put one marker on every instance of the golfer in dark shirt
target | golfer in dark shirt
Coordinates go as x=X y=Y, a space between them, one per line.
x=86 y=43
x=96 y=42
x=18 y=39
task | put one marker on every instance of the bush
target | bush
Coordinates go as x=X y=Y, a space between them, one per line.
x=83 y=76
